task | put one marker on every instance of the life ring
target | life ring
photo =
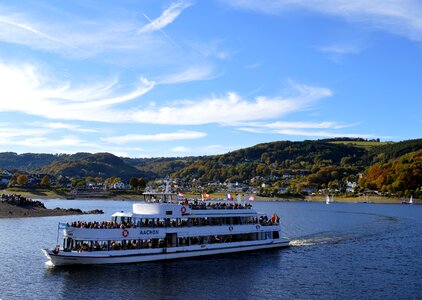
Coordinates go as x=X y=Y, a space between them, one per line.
x=183 y=210
x=125 y=233
x=257 y=226
x=230 y=228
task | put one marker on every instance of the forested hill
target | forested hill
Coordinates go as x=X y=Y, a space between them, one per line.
x=273 y=159
x=76 y=165
x=315 y=162
x=27 y=161
x=349 y=156
x=95 y=165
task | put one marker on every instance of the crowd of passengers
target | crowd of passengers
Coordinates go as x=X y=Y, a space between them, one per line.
x=117 y=245
x=20 y=201
x=102 y=225
x=217 y=205
x=158 y=243
x=274 y=220
x=263 y=220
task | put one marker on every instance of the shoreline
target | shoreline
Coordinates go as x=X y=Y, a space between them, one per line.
x=12 y=211
x=318 y=198
x=8 y=211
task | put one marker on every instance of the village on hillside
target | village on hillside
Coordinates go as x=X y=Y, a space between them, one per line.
x=263 y=186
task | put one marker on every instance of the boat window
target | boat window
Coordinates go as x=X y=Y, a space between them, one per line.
x=67 y=244
x=159 y=222
x=100 y=246
x=146 y=223
x=137 y=221
x=116 y=245
x=132 y=244
x=183 y=241
x=169 y=212
x=253 y=236
x=154 y=243
x=183 y=222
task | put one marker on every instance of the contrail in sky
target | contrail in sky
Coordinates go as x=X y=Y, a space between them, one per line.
x=162 y=31
x=37 y=32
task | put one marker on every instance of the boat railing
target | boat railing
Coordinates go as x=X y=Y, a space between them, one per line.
x=163 y=224
x=205 y=206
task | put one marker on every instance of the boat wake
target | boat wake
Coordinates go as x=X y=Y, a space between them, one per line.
x=321 y=240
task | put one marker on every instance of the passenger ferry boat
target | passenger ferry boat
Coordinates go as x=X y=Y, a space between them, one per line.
x=165 y=227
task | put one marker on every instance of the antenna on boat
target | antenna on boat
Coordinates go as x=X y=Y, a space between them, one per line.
x=167 y=185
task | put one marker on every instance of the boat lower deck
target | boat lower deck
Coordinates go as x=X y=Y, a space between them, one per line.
x=134 y=256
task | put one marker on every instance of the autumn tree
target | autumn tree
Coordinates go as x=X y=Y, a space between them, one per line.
x=45 y=181
x=22 y=180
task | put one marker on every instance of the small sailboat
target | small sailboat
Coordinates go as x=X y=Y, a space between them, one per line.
x=327 y=199
x=411 y=199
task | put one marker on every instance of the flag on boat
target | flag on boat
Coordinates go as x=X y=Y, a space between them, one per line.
x=251 y=198
x=181 y=195
x=229 y=196
x=63 y=225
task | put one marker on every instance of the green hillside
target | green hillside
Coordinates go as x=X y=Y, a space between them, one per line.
x=160 y=167
x=27 y=161
x=274 y=159
x=330 y=163
x=96 y=165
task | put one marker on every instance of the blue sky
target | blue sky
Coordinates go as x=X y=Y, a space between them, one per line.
x=178 y=78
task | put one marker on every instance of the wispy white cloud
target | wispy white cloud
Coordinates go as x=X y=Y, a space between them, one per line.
x=36 y=32
x=212 y=48
x=254 y=65
x=65 y=126
x=194 y=73
x=114 y=40
x=307 y=133
x=200 y=150
x=160 y=137
x=181 y=149
x=53 y=99
x=231 y=108
x=402 y=17
x=336 y=52
x=306 y=129
x=166 y=18
x=341 y=49
x=11 y=131
x=296 y=125
x=59 y=100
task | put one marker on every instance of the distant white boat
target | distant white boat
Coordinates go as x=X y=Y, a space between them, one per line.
x=329 y=199
x=410 y=200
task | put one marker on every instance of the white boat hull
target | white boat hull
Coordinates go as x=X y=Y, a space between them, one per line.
x=133 y=256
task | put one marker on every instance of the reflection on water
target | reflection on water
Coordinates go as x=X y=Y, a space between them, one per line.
x=338 y=251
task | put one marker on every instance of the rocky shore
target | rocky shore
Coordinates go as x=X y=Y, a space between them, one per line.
x=17 y=206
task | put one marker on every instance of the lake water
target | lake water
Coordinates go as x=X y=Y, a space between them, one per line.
x=339 y=251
